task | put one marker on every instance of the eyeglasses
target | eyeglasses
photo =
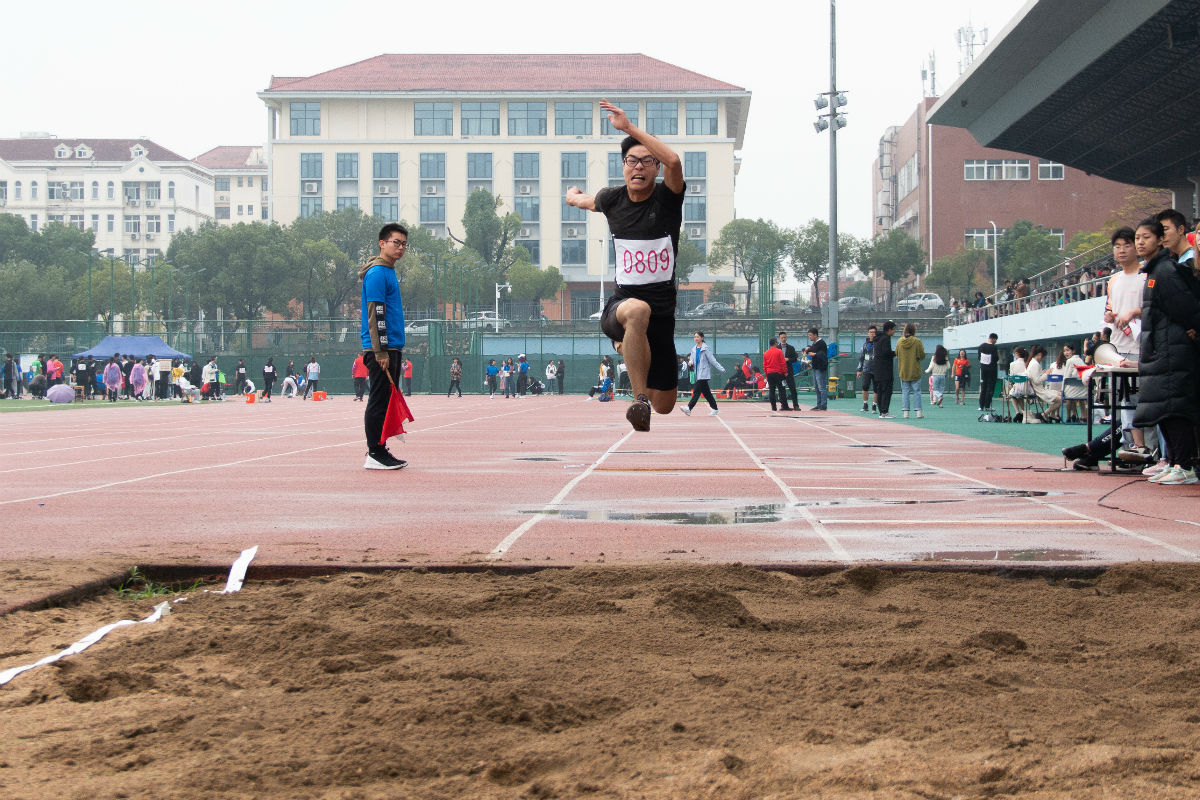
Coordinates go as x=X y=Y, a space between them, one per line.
x=398 y=242
x=645 y=161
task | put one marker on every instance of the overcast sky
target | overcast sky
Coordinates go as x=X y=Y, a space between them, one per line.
x=186 y=74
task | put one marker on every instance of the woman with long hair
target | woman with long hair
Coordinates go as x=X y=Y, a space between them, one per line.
x=702 y=361
x=455 y=378
x=939 y=365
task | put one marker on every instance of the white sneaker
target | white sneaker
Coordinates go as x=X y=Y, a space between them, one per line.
x=1179 y=477
x=906 y=415
x=1154 y=469
x=589 y=399
x=715 y=412
x=920 y=415
x=1162 y=475
x=888 y=415
x=687 y=412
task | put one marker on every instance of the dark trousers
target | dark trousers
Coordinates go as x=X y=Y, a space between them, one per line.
x=789 y=380
x=560 y=383
x=360 y=387
x=701 y=389
x=883 y=391
x=522 y=383
x=455 y=383
x=775 y=383
x=1181 y=441
x=310 y=387
x=267 y=384
x=987 y=388
x=381 y=393
x=408 y=384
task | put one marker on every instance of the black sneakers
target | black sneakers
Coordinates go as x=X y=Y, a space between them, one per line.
x=639 y=413
x=1075 y=451
x=382 y=459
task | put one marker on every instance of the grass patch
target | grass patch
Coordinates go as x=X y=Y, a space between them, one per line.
x=137 y=586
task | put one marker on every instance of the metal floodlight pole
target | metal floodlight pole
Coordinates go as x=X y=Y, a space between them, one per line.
x=500 y=286
x=995 y=258
x=112 y=297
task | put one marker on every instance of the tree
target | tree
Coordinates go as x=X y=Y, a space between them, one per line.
x=810 y=252
x=488 y=234
x=754 y=248
x=1090 y=245
x=893 y=255
x=530 y=283
x=688 y=258
x=721 y=292
x=953 y=276
x=332 y=277
x=1139 y=204
x=1025 y=249
x=28 y=290
x=859 y=289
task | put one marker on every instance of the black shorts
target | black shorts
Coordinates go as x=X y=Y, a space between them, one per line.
x=660 y=332
x=867 y=381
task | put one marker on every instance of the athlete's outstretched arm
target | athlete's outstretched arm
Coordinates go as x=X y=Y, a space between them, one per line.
x=580 y=199
x=672 y=164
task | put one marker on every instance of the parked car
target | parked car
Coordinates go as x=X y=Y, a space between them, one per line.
x=714 y=309
x=787 y=308
x=595 y=316
x=486 y=320
x=418 y=327
x=920 y=301
x=855 y=304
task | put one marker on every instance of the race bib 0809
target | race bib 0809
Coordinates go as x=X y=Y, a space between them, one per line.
x=641 y=261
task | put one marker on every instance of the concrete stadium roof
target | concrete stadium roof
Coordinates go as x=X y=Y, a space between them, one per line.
x=1111 y=87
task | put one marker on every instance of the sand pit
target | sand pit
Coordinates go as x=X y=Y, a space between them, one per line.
x=720 y=682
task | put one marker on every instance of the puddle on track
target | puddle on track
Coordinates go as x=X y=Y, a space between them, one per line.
x=737 y=515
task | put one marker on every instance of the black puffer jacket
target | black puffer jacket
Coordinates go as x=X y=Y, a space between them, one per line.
x=1170 y=360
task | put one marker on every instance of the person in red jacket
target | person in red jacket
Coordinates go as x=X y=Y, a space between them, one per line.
x=775 y=365
x=359 y=372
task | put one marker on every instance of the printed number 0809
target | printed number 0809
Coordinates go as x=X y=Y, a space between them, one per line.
x=641 y=262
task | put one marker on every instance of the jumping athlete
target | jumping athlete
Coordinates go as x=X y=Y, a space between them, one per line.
x=644 y=217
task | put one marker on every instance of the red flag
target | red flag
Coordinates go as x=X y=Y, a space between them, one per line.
x=397 y=413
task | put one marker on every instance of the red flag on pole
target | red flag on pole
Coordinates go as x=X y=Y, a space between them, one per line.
x=397 y=413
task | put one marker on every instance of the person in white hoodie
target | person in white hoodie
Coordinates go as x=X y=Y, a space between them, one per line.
x=702 y=361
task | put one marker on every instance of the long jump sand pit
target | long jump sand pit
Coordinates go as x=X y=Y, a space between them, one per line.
x=619 y=682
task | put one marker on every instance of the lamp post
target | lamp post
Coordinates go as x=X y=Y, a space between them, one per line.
x=603 y=266
x=995 y=258
x=832 y=121
x=112 y=297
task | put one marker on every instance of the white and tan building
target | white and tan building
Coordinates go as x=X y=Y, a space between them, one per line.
x=239 y=183
x=409 y=137
x=133 y=193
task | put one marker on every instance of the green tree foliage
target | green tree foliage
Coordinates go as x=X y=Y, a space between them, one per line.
x=489 y=234
x=858 y=289
x=893 y=255
x=1025 y=249
x=810 y=252
x=954 y=275
x=58 y=255
x=1091 y=245
x=754 y=248
x=688 y=258
x=721 y=292
x=530 y=283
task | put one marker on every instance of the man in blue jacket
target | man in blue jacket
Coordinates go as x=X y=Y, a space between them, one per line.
x=382 y=338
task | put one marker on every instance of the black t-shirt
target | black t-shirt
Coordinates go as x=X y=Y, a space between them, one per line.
x=646 y=237
x=988 y=361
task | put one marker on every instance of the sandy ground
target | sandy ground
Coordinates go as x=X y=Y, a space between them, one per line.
x=682 y=682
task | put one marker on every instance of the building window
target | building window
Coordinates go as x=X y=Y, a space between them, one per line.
x=250 y=211
x=263 y=184
x=574 y=173
x=76 y=190
x=310 y=206
x=154 y=190
x=662 y=119
x=574 y=165
x=33 y=222
x=310 y=167
x=526 y=119
x=701 y=119
x=342 y=202
x=95 y=190
x=170 y=223
x=525 y=165
x=433 y=209
x=154 y=224
x=631 y=110
x=981 y=238
x=264 y=208
x=574 y=251
x=907 y=178
x=33 y=193
x=694 y=209
x=250 y=182
x=77 y=221
x=386 y=207
x=56 y=191
x=241 y=182
x=573 y=119
x=305 y=119
x=222 y=212
x=479 y=166
x=535 y=250
x=112 y=191
x=616 y=173
x=133 y=224
x=383 y=165
x=1050 y=171
x=221 y=184
x=1060 y=235
x=17 y=190
x=95 y=223
x=347 y=165
x=529 y=209
x=433 y=119
x=241 y=209
x=695 y=165
x=480 y=119
x=433 y=166
x=995 y=169
x=110 y=223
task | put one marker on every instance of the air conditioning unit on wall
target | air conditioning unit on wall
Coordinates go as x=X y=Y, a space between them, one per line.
x=572 y=233
x=697 y=188
x=383 y=190
x=695 y=233
x=431 y=190
x=526 y=190
x=310 y=187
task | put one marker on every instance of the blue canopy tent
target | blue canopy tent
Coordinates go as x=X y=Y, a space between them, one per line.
x=136 y=346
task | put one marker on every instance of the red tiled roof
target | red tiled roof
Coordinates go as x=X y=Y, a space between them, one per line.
x=622 y=72
x=232 y=157
x=103 y=149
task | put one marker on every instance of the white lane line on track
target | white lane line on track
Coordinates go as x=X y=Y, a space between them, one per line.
x=832 y=543
x=1035 y=500
x=499 y=550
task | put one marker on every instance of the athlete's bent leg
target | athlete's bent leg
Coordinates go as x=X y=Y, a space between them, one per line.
x=634 y=317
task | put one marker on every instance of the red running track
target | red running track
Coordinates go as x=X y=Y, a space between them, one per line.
x=554 y=480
